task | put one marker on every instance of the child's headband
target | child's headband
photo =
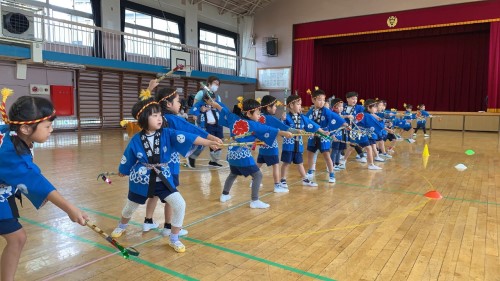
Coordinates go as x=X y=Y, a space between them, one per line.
x=5 y=94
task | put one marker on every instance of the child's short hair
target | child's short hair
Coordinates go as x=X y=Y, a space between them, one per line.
x=317 y=93
x=384 y=102
x=370 y=103
x=211 y=79
x=420 y=106
x=165 y=95
x=266 y=101
x=291 y=99
x=336 y=102
x=249 y=105
x=351 y=94
x=143 y=109
x=408 y=106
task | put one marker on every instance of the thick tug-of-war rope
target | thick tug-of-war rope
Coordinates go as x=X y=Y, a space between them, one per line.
x=126 y=252
x=252 y=143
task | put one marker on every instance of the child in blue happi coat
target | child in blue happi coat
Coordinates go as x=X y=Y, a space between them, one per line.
x=421 y=117
x=270 y=154
x=293 y=147
x=29 y=121
x=168 y=98
x=146 y=162
x=241 y=162
x=328 y=121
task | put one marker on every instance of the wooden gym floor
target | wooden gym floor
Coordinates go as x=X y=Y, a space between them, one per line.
x=370 y=225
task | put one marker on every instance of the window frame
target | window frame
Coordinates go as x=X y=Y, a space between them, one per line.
x=49 y=9
x=154 y=13
x=223 y=32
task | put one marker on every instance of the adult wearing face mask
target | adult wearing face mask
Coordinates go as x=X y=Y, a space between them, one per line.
x=213 y=83
x=209 y=120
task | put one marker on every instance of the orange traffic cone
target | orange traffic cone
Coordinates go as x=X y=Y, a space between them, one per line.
x=433 y=194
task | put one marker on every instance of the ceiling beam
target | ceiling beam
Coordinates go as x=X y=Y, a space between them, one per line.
x=254 y=6
x=240 y=9
x=220 y=7
x=221 y=11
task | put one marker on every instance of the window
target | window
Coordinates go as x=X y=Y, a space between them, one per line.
x=221 y=46
x=156 y=34
x=78 y=11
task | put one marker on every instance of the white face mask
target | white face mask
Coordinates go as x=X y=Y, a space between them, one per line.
x=214 y=88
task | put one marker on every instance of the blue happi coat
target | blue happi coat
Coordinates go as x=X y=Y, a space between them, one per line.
x=352 y=111
x=373 y=127
x=330 y=121
x=423 y=117
x=339 y=134
x=134 y=156
x=178 y=123
x=401 y=123
x=18 y=172
x=241 y=156
x=409 y=116
x=274 y=122
x=195 y=110
x=305 y=124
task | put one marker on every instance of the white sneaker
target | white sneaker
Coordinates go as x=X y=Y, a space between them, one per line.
x=257 y=204
x=410 y=140
x=149 y=226
x=284 y=184
x=426 y=136
x=379 y=159
x=178 y=246
x=414 y=134
x=309 y=176
x=336 y=168
x=341 y=166
x=224 y=198
x=362 y=160
x=308 y=182
x=341 y=157
x=166 y=232
x=374 y=167
x=386 y=155
x=280 y=189
x=358 y=157
x=331 y=180
x=117 y=232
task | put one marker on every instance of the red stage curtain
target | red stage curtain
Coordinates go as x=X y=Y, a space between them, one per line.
x=446 y=71
x=303 y=68
x=494 y=69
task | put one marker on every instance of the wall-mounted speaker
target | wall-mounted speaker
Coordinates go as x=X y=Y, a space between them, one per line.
x=271 y=46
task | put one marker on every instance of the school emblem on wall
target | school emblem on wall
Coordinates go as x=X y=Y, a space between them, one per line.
x=392 y=21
